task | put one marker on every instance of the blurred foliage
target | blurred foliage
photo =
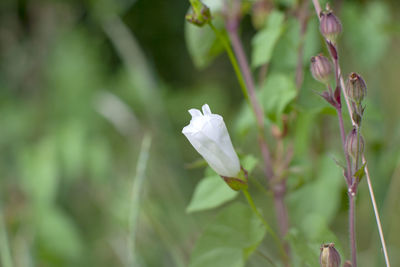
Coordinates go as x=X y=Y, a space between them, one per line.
x=82 y=83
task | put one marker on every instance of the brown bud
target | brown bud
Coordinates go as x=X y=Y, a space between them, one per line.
x=329 y=256
x=356 y=88
x=330 y=25
x=347 y=264
x=351 y=144
x=321 y=68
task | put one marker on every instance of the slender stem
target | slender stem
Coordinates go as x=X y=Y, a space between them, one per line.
x=353 y=244
x=232 y=58
x=317 y=7
x=303 y=18
x=280 y=206
x=266 y=225
x=239 y=51
x=378 y=220
x=270 y=261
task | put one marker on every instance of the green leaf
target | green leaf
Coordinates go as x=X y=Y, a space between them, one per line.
x=227 y=241
x=39 y=171
x=265 y=40
x=285 y=53
x=360 y=172
x=249 y=162
x=306 y=240
x=304 y=254
x=245 y=121
x=210 y=192
x=58 y=234
x=321 y=196
x=278 y=91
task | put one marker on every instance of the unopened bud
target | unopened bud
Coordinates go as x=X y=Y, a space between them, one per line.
x=330 y=25
x=351 y=144
x=329 y=256
x=200 y=13
x=321 y=68
x=347 y=264
x=356 y=88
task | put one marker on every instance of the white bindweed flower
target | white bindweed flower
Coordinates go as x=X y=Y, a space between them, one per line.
x=208 y=135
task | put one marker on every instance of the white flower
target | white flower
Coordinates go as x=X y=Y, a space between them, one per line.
x=208 y=135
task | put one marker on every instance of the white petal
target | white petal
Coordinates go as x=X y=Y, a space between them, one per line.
x=195 y=112
x=209 y=136
x=206 y=109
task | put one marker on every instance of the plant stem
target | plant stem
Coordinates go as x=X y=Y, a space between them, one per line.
x=303 y=19
x=266 y=225
x=280 y=207
x=239 y=51
x=371 y=192
x=232 y=58
x=352 y=229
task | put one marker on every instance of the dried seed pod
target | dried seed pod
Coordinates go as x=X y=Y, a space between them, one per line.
x=330 y=25
x=329 y=256
x=351 y=144
x=321 y=68
x=356 y=88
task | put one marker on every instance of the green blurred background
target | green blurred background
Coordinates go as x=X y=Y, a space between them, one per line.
x=93 y=97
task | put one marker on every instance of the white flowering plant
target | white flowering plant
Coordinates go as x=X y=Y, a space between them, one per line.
x=275 y=110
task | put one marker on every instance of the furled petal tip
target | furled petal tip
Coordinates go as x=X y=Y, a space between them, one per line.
x=208 y=135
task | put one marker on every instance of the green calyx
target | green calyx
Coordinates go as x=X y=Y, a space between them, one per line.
x=200 y=14
x=237 y=183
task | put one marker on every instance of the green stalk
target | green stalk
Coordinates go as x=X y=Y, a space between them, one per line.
x=232 y=58
x=266 y=225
